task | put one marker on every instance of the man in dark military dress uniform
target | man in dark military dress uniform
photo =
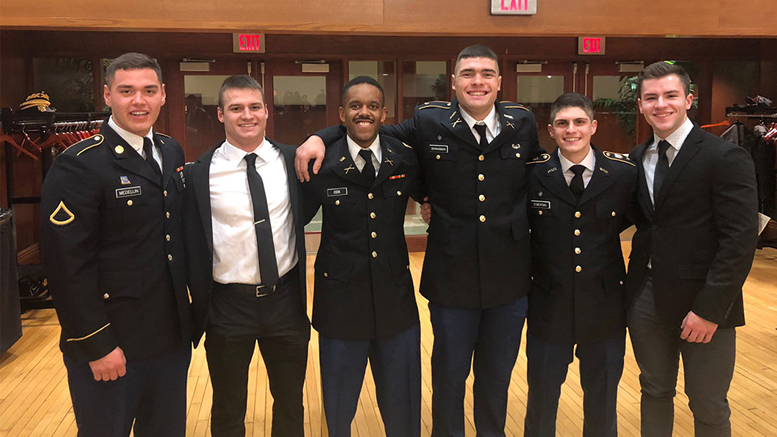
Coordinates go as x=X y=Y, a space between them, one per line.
x=473 y=154
x=113 y=253
x=364 y=305
x=578 y=197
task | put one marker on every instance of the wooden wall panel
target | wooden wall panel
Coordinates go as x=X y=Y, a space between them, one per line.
x=411 y=17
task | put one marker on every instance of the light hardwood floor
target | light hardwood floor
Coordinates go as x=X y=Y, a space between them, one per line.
x=34 y=399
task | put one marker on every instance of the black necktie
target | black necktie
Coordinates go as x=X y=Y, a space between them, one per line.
x=662 y=167
x=481 y=130
x=268 y=266
x=577 y=185
x=368 y=170
x=148 y=149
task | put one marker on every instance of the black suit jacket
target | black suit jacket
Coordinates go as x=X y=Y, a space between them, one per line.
x=478 y=251
x=363 y=285
x=702 y=235
x=578 y=270
x=198 y=229
x=112 y=246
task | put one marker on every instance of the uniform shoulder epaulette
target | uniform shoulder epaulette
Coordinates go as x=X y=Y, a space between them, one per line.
x=435 y=104
x=540 y=159
x=619 y=157
x=85 y=145
x=513 y=105
x=164 y=135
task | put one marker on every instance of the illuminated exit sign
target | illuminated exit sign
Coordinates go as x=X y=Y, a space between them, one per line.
x=513 y=7
x=248 y=43
x=591 y=45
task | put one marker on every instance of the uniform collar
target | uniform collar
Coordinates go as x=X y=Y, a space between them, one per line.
x=354 y=149
x=491 y=121
x=135 y=141
x=588 y=162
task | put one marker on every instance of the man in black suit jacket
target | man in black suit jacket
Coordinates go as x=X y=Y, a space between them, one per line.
x=690 y=256
x=245 y=247
x=364 y=305
x=112 y=246
x=578 y=198
x=473 y=153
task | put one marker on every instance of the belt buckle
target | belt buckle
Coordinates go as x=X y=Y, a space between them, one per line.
x=259 y=292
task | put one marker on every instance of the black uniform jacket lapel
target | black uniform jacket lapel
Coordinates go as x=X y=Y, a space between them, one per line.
x=456 y=124
x=345 y=167
x=199 y=175
x=508 y=128
x=637 y=155
x=600 y=180
x=689 y=149
x=391 y=162
x=168 y=159
x=127 y=158
x=553 y=179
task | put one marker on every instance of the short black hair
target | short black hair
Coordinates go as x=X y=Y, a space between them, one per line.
x=572 y=100
x=239 y=81
x=660 y=69
x=358 y=80
x=131 y=61
x=476 y=51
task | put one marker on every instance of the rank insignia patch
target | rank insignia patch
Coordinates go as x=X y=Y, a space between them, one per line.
x=61 y=215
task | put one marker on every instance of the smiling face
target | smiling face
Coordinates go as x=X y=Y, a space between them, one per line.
x=135 y=97
x=476 y=82
x=244 y=116
x=363 y=113
x=664 y=104
x=572 y=129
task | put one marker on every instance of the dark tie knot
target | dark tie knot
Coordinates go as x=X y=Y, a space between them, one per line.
x=148 y=147
x=251 y=159
x=366 y=155
x=577 y=169
x=663 y=146
x=481 y=130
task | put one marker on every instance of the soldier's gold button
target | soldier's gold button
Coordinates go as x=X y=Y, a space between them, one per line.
x=517 y=155
x=578 y=214
x=578 y=251
x=399 y=193
x=408 y=267
x=167 y=237
x=118 y=149
x=370 y=196
x=129 y=202
x=482 y=219
x=539 y=212
x=165 y=193
x=374 y=235
x=481 y=177
x=577 y=232
x=374 y=254
x=326 y=275
x=167 y=214
x=437 y=157
x=482 y=198
x=106 y=296
x=578 y=269
x=170 y=257
x=372 y=215
x=482 y=158
x=620 y=282
x=337 y=202
x=613 y=214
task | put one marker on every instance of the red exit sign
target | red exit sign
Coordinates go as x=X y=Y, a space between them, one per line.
x=591 y=45
x=248 y=43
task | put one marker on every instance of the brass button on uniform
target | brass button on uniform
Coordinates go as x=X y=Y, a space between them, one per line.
x=337 y=202
x=374 y=235
x=106 y=296
x=167 y=237
x=577 y=232
x=481 y=177
x=578 y=251
x=620 y=282
x=539 y=212
x=129 y=202
x=399 y=193
x=437 y=157
x=578 y=214
x=578 y=269
x=372 y=215
x=374 y=254
x=326 y=275
x=167 y=214
x=517 y=155
x=482 y=198
x=170 y=257
x=481 y=158
x=613 y=214
x=482 y=219
x=370 y=196
x=165 y=193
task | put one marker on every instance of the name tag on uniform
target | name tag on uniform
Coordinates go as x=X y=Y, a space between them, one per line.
x=438 y=148
x=336 y=192
x=540 y=204
x=127 y=192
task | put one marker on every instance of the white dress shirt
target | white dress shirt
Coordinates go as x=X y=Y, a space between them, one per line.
x=493 y=127
x=235 y=252
x=588 y=162
x=136 y=141
x=377 y=154
x=676 y=140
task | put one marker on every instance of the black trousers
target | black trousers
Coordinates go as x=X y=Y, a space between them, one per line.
x=237 y=321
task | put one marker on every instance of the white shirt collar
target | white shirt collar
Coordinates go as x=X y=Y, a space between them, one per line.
x=676 y=138
x=354 y=148
x=491 y=121
x=588 y=162
x=135 y=141
x=236 y=155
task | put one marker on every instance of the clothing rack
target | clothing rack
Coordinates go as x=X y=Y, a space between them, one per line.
x=751 y=112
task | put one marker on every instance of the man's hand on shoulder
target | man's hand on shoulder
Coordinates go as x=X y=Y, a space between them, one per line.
x=110 y=367
x=312 y=148
x=697 y=330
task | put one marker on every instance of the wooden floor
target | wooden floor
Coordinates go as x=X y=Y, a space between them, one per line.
x=34 y=398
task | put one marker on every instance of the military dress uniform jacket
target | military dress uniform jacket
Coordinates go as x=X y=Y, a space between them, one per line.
x=363 y=287
x=478 y=251
x=198 y=230
x=112 y=247
x=702 y=234
x=577 y=267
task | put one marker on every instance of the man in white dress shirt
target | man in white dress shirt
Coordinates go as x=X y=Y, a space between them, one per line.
x=245 y=245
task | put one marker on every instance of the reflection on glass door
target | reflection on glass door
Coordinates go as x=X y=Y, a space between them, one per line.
x=539 y=93
x=203 y=129
x=615 y=104
x=299 y=107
